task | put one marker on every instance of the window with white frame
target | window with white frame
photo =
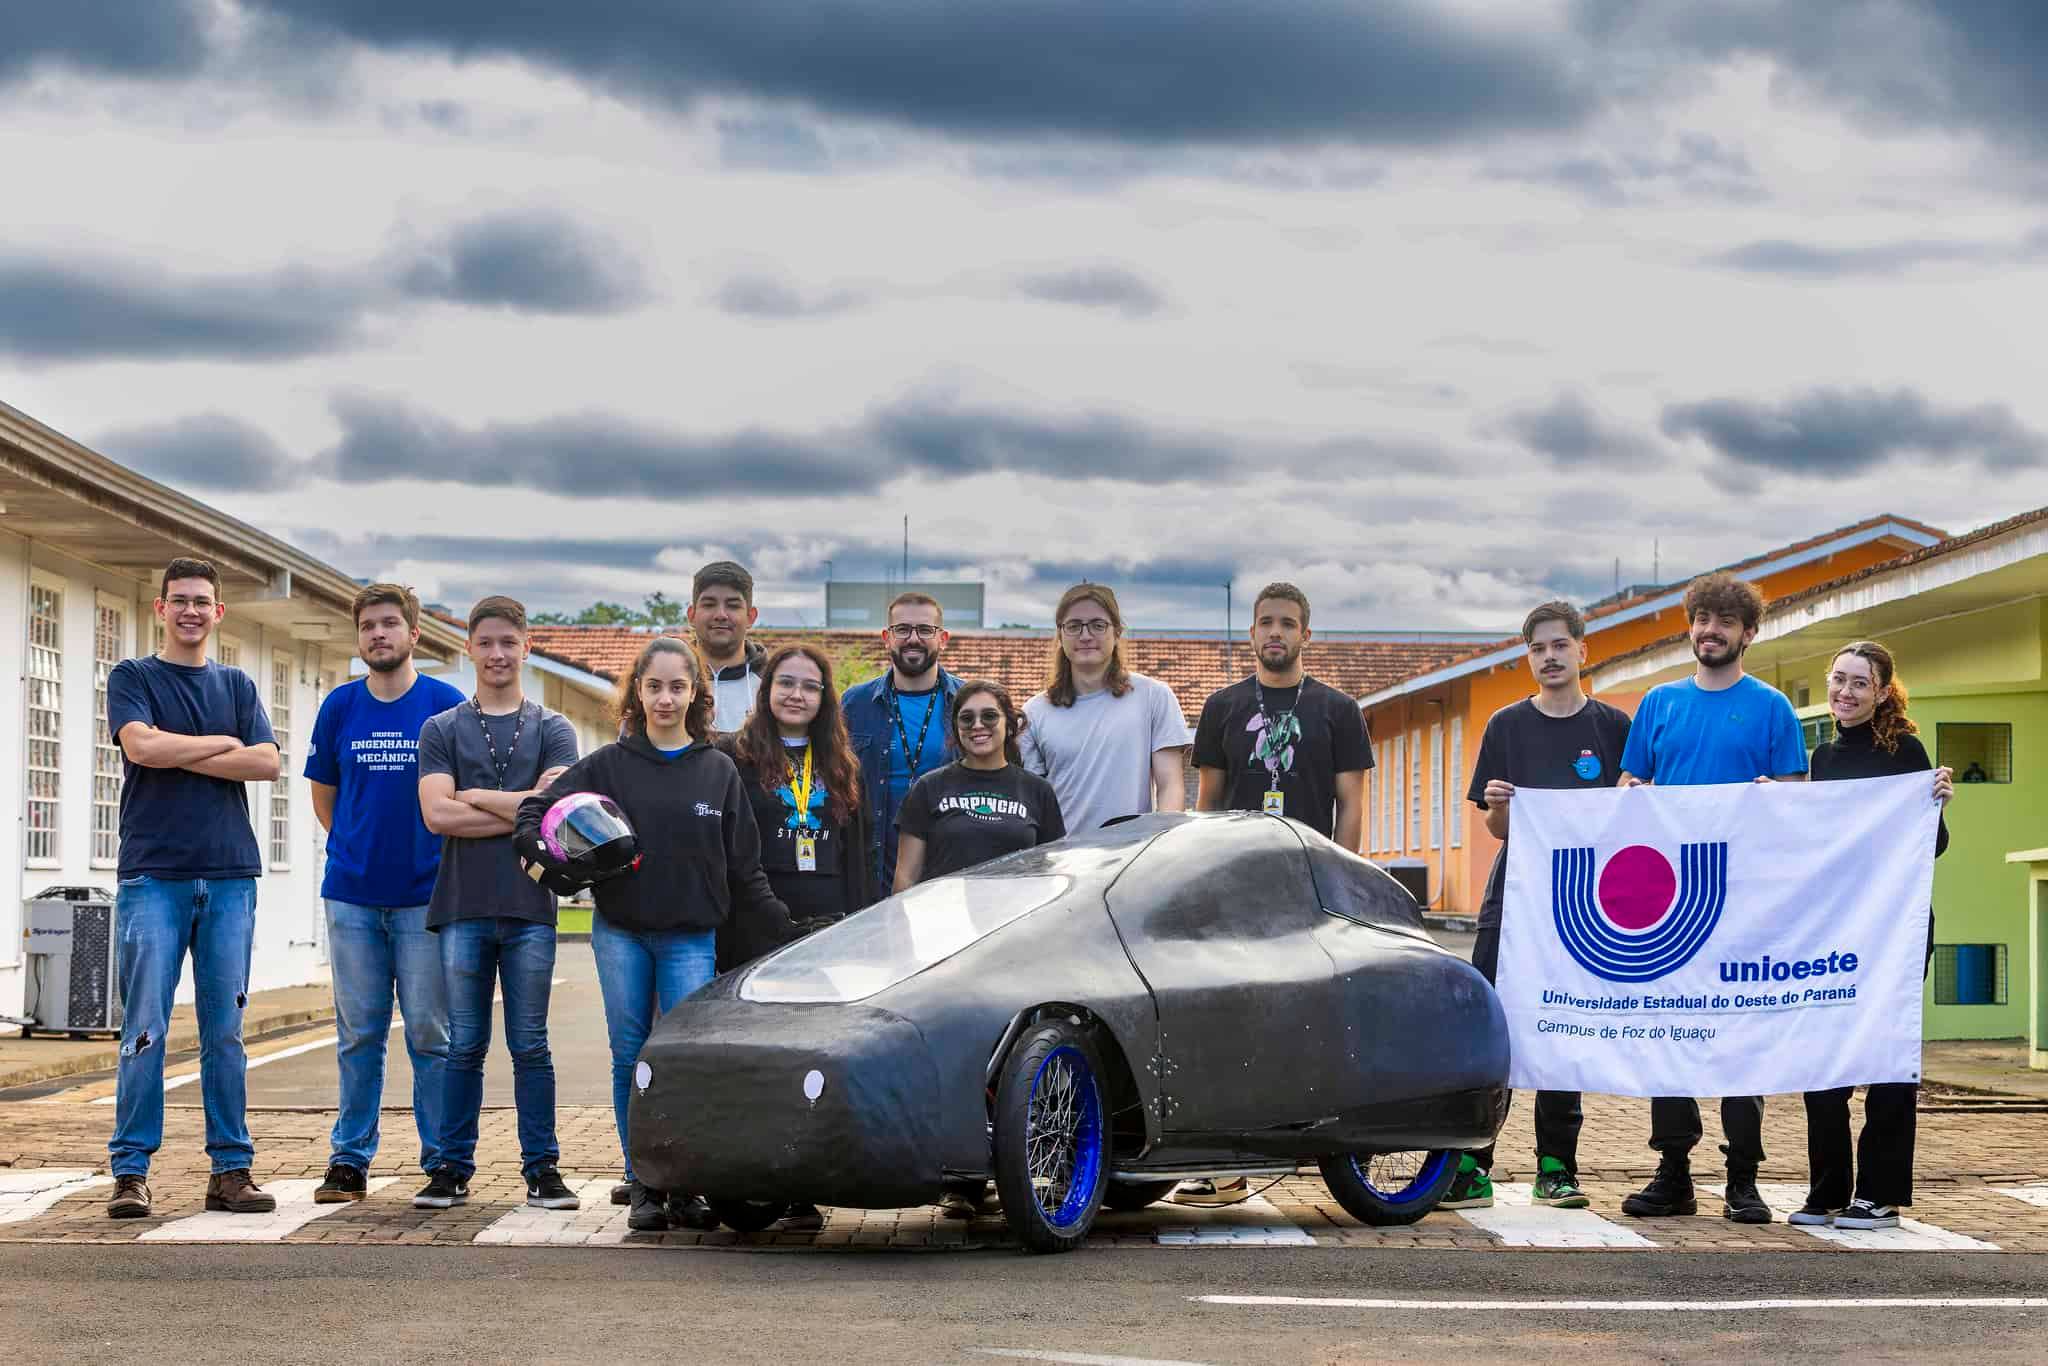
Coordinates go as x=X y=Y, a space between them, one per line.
x=156 y=634
x=1436 y=787
x=281 y=790
x=109 y=647
x=1454 y=811
x=227 y=652
x=45 y=720
x=1395 y=798
x=1414 y=840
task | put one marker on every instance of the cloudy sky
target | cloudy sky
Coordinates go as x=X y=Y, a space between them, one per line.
x=1436 y=309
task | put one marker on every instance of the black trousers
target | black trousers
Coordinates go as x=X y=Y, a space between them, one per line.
x=1883 y=1165
x=1558 y=1114
x=1675 y=1130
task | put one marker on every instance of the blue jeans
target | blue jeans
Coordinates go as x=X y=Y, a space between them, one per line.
x=374 y=950
x=643 y=973
x=159 y=920
x=477 y=956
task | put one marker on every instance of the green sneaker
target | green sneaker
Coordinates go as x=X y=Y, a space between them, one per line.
x=1555 y=1186
x=1471 y=1188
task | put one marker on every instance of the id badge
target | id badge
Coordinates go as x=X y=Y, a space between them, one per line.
x=806 y=854
x=1276 y=802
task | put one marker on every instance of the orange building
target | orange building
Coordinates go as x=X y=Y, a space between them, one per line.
x=1427 y=726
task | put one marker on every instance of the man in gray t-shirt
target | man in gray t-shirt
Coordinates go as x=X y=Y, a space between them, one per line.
x=1109 y=741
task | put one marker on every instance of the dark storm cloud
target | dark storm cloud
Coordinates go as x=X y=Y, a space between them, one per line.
x=598 y=455
x=765 y=296
x=535 y=261
x=1106 y=287
x=1392 y=73
x=64 y=307
x=73 y=308
x=165 y=38
x=1834 y=431
x=1778 y=256
x=210 y=451
x=1572 y=433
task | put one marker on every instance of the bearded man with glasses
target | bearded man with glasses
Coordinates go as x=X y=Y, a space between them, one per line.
x=898 y=721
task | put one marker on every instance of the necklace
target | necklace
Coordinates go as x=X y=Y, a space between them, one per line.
x=518 y=728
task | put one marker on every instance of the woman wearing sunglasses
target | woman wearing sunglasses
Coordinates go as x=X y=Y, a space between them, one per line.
x=982 y=805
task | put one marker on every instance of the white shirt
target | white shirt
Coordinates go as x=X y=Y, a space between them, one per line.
x=1097 y=754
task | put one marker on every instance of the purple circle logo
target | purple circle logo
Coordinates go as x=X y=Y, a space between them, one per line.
x=1637 y=887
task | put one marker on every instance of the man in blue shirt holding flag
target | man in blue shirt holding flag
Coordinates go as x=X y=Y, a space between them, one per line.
x=1719 y=726
x=381 y=859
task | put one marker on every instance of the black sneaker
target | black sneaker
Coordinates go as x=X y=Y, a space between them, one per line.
x=545 y=1189
x=802 y=1218
x=1669 y=1192
x=443 y=1191
x=650 y=1210
x=343 y=1184
x=1741 y=1202
x=691 y=1211
x=622 y=1194
x=1863 y=1214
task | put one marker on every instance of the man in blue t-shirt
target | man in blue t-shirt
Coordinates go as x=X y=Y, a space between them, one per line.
x=898 y=722
x=363 y=765
x=191 y=732
x=1719 y=726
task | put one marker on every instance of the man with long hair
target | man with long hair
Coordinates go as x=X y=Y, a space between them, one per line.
x=1108 y=740
x=897 y=722
x=1718 y=726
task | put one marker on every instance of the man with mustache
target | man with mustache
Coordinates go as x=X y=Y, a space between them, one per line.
x=1719 y=726
x=898 y=722
x=1560 y=738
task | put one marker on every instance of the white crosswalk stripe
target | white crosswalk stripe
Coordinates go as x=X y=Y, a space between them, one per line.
x=295 y=1209
x=2034 y=1193
x=25 y=1194
x=1518 y=1221
x=1249 y=1223
x=1910 y=1236
x=597 y=1223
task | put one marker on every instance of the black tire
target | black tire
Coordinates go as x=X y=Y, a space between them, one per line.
x=746 y=1216
x=1386 y=1202
x=1051 y=1089
x=1126 y=1196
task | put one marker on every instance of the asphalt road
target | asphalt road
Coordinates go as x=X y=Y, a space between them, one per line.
x=355 y=1304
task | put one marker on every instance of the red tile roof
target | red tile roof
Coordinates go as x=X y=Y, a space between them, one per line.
x=1193 y=667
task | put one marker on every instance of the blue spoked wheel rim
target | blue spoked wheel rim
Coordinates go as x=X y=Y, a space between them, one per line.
x=1401 y=1178
x=1063 y=1137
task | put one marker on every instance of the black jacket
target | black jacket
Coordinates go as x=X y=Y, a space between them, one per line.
x=739 y=942
x=700 y=851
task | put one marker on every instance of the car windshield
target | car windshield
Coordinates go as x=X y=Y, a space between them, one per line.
x=904 y=935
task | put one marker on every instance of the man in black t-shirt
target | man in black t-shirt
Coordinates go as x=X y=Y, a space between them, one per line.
x=1560 y=738
x=1279 y=741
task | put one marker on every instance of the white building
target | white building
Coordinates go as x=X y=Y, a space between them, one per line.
x=83 y=542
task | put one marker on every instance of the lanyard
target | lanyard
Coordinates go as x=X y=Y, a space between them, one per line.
x=801 y=790
x=910 y=755
x=518 y=728
x=1278 y=735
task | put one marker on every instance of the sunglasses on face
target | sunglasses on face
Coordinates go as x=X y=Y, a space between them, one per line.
x=990 y=718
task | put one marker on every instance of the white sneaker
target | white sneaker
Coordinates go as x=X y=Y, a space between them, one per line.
x=1811 y=1215
x=1863 y=1214
x=1209 y=1193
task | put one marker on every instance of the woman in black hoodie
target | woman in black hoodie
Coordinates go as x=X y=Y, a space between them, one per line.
x=1874 y=738
x=656 y=929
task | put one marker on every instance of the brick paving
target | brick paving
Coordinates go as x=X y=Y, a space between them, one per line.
x=1962 y=1158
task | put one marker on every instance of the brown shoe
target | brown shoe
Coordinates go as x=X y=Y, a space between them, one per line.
x=235 y=1193
x=130 y=1199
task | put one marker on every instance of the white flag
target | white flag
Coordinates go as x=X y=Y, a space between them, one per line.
x=1718 y=941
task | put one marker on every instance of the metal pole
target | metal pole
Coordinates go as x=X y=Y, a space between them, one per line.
x=1229 y=636
x=906 y=547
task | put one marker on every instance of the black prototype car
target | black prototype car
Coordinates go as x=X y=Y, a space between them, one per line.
x=1088 y=1022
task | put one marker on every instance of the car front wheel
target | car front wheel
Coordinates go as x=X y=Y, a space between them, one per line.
x=1051 y=1137
x=1389 y=1188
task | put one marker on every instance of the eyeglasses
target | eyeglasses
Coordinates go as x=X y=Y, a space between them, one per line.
x=991 y=718
x=180 y=604
x=1095 y=626
x=809 y=687
x=905 y=631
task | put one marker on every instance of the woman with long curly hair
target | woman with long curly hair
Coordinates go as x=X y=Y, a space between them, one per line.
x=1874 y=738
x=656 y=928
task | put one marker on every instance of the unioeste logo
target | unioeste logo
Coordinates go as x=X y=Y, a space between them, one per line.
x=1647 y=919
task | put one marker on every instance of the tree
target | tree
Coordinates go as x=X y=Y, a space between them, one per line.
x=660 y=611
x=608 y=614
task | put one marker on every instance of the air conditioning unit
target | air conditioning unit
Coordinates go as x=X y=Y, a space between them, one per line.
x=74 y=979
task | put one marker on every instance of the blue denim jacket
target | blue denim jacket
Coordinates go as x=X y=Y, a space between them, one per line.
x=866 y=708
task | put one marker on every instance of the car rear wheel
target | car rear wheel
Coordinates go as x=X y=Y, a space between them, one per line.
x=747 y=1216
x=1125 y=1196
x=1389 y=1188
x=1051 y=1136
